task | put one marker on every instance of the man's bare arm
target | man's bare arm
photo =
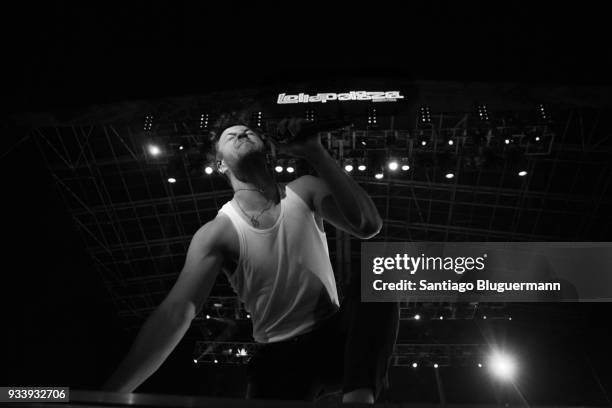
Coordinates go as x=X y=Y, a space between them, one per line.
x=319 y=196
x=346 y=196
x=334 y=195
x=167 y=325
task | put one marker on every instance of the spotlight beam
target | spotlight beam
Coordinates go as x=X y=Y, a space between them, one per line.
x=502 y=366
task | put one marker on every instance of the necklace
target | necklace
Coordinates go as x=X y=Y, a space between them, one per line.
x=254 y=219
x=249 y=189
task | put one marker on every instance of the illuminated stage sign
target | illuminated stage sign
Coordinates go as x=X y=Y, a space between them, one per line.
x=387 y=96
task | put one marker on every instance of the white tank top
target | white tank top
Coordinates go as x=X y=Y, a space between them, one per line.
x=283 y=274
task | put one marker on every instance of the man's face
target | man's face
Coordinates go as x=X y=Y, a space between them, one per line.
x=237 y=142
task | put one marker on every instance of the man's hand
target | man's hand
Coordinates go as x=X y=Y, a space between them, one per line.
x=298 y=139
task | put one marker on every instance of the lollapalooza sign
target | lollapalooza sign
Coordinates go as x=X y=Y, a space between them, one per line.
x=386 y=96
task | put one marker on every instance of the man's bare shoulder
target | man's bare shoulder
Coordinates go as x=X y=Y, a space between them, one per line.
x=217 y=233
x=303 y=181
x=305 y=187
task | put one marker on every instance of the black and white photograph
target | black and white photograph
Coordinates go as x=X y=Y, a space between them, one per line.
x=296 y=204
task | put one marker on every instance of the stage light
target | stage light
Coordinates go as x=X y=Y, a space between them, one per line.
x=522 y=173
x=291 y=165
x=417 y=317
x=502 y=365
x=422 y=139
x=542 y=111
x=154 y=150
x=148 y=123
x=435 y=365
x=278 y=169
x=372 y=117
x=208 y=170
x=393 y=165
x=348 y=165
x=414 y=365
x=449 y=137
x=361 y=164
x=379 y=175
x=310 y=115
x=449 y=175
x=424 y=114
x=171 y=180
x=195 y=361
x=256 y=119
x=483 y=113
x=204 y=121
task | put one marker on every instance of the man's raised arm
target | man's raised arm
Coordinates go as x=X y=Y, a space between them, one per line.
x=167 y=325
x=334 y=195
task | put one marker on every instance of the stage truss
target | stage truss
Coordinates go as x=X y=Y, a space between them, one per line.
x=136 y=226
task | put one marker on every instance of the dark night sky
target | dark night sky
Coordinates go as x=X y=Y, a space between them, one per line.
x=77 y=55
x=62 y=56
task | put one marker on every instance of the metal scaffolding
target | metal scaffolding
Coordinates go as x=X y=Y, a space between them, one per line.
x=137 y=226
x=404 y=354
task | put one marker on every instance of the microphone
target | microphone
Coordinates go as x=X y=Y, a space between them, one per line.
x=308 y=129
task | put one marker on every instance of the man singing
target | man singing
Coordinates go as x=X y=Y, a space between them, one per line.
x=269 y=241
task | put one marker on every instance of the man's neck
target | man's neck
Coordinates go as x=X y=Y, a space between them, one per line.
x=258 y=190
x=254 y=182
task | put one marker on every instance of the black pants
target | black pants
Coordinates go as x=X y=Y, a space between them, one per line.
x=350 y=350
